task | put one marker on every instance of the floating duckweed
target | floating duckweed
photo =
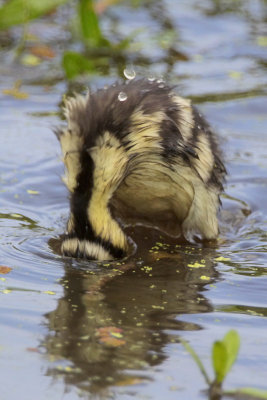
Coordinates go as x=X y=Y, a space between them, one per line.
x=235 y=74
x=122 y=96
x=196 y=265
x=85 y=337
x=222 y=258
x=129 y=73
x=252 y=312
x=205 y=278
x=16 y=215
x=32 y=191
x=117 y=335
x=146 y=268
x=262 y=41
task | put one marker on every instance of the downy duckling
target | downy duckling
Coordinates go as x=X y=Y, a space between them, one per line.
x=137 y=153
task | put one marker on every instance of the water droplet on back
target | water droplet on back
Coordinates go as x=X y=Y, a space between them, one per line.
x=151 y=78
x=122 y=96
x=129 y=73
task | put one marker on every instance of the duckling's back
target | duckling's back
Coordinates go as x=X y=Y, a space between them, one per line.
x=140 y=154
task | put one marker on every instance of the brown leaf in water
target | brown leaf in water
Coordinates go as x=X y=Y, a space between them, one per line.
x=30 y=60
x=101 y=5
x=33 y=349
x=4 y=269
x=110 y=336
x=42 y=51
x=129 y=381
x=16 y=92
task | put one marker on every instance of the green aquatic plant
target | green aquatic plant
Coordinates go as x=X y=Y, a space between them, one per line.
x=224 y=354
x=91 y=36
x=15 y=12
x=90 y=49
x=96 y=48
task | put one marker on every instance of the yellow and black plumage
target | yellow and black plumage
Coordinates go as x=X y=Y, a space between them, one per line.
x=137 y=153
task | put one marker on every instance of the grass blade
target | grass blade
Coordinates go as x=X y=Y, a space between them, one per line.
x=197 y=360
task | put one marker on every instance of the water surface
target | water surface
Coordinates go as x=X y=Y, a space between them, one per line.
x=74 y=329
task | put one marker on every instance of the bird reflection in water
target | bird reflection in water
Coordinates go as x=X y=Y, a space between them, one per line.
x=118 y=317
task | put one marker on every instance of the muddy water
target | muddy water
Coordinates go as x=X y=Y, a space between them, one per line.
x=75 y=329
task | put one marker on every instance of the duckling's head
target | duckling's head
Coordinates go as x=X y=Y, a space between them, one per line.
x=91 y=250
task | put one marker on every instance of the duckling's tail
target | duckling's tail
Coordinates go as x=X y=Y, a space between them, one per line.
x=93 y=172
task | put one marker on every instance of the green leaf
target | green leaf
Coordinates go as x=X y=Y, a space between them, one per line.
x=232 y=343
x=16 y=12
x=224 y=354
x=76 y=64
x=219 y=359
x=197 y=360
x=251 y=393
x=90 y=28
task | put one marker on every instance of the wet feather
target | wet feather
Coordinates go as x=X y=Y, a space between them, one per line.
x=149 y=159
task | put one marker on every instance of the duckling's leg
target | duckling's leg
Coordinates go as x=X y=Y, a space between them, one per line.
x=93 y=176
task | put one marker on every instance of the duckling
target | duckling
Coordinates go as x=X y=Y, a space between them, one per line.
x=137 y=153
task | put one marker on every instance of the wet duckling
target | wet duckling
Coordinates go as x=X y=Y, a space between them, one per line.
x=137 y=153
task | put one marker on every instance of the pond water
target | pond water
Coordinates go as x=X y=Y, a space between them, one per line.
x=74 y=329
